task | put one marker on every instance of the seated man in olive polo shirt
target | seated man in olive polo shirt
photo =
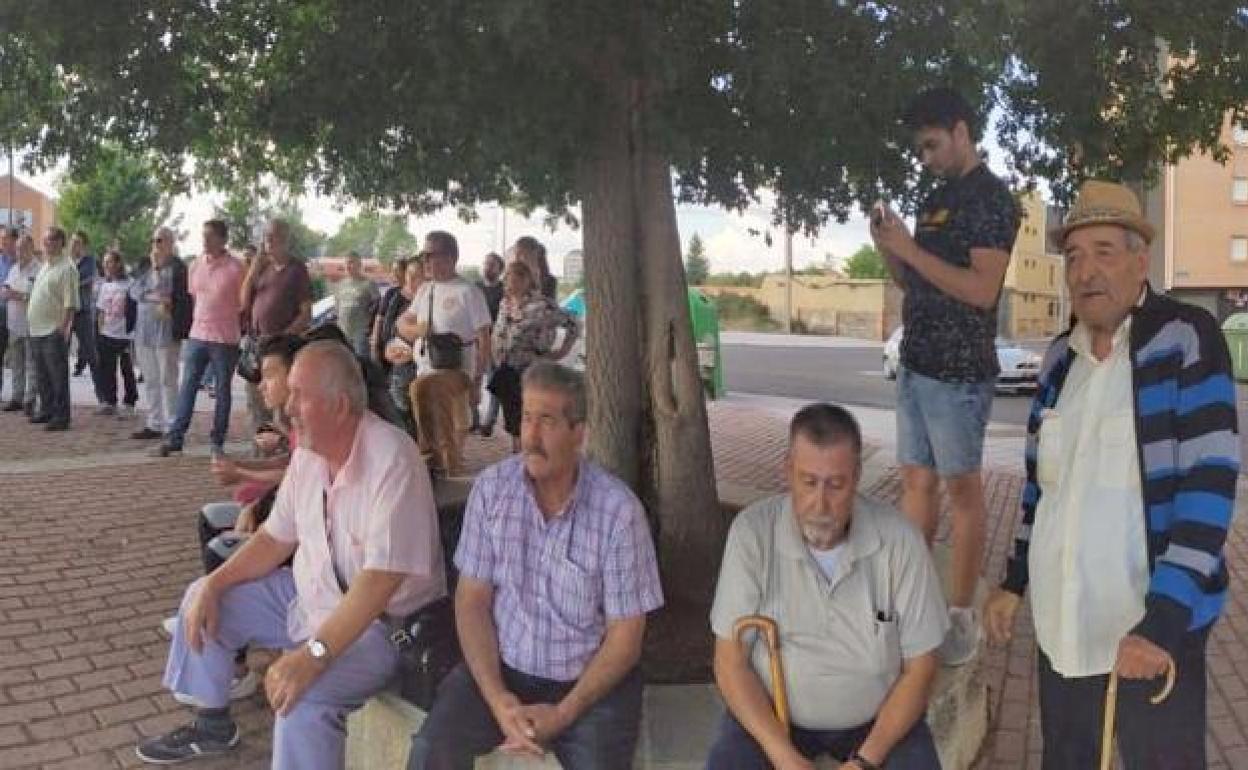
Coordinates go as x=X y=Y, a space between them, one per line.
x=860 y=613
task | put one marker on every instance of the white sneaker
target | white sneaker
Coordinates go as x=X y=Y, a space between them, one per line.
x=962 y=641
x=168 y=625
x=240 y=687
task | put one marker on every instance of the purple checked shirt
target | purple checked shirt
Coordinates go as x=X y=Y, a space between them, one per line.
x=557 y=583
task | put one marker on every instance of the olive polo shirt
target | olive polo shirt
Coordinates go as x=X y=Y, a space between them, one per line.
x=843 y=638
x=54 y=292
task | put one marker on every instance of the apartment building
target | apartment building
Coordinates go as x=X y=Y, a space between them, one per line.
x=1200 y=210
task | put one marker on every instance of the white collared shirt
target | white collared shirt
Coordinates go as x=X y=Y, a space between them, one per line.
x=1089 y=549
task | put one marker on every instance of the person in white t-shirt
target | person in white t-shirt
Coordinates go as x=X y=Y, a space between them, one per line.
x=16 y=293
x=113 y=337
x=445 y=305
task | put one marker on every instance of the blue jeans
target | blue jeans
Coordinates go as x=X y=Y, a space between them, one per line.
x=735 y=749
x=460 y=727
x=941 y=424
x=197 y=356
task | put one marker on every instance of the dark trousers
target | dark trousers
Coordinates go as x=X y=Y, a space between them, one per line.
x=736 y=749
x=1168 y=736
x=461 y=727
x=84 y=330
x=113 y=353
x=4 y=347
x=505 y=385
x=52 y=374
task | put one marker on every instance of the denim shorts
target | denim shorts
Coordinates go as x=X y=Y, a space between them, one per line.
x=941 y=424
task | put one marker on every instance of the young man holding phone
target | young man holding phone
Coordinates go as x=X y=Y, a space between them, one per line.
x=951 y=271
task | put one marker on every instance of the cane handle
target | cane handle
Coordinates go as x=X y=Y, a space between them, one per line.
x=1111 y=708
x=767 y=628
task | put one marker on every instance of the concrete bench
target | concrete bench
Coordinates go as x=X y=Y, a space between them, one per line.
x=678 y=725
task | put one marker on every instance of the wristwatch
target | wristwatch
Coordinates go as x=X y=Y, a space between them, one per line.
x=318 y=650
x=863 y=762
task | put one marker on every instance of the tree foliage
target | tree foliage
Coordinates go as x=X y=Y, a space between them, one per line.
x=373 y=234
x=115 y=199
x=697 y=266
x=417 y=104
x=866 y=262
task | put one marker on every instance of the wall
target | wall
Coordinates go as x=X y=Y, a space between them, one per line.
x=866 y=309
x=42 y=208
x=1202 y=219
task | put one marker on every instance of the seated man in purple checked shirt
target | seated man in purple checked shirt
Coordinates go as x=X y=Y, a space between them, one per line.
x=556 y=574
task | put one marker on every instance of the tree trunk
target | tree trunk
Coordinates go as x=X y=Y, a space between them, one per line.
x=648 y=415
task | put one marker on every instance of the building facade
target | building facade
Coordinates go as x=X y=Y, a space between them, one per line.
x=1200 y=210
x=27 y=208
x=1033 y=297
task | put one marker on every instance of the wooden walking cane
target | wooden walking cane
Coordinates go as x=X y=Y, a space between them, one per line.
x=1111 y=706
x=771 y=635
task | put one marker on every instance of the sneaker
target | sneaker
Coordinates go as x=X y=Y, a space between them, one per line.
x=168 y=625
x=125 y=412
x=217 y=452
x=241 y=687
x=13 y=406
x=165 y=450
x=146 y=434
x=56 y=425
x=962 y=641
x=184 y=744
x=107 y=410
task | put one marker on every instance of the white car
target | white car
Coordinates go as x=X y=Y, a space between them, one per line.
x=1019 y=366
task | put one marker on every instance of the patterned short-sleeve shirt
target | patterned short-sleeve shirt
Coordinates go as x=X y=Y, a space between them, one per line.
x=557 y=583
x=945 y=338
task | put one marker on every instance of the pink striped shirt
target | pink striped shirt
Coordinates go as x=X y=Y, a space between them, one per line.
x=215 y=283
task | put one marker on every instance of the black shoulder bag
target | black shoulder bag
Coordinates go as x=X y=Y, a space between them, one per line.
x=427 y=641
x=446 y=350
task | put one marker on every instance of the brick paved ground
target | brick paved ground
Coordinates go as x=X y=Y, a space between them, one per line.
x=93 y=557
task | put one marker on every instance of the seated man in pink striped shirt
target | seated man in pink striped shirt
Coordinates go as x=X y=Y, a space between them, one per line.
x=556 y=574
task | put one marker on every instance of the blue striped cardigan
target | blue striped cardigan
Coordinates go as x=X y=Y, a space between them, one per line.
x=1188 y=449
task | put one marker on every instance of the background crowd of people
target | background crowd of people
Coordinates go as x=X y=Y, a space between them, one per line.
x=181 y=327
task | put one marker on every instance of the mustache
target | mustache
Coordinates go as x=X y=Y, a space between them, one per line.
x=535 y=450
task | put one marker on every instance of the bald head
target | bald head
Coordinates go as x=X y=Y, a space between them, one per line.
x=334 y=368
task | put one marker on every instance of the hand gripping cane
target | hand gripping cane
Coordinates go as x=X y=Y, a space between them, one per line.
x=1111 y=707
x=767 y=628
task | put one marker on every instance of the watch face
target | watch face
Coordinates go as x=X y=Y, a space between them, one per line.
x=317 y=648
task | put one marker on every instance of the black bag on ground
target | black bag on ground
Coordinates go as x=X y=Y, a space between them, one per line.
x=428 y=648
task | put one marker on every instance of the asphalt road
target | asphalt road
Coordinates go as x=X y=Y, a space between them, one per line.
x=847 y=375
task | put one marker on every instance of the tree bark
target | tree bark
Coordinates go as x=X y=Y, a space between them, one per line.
x=648 y=415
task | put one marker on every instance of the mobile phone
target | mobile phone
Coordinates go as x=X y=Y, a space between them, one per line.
x=877 y=213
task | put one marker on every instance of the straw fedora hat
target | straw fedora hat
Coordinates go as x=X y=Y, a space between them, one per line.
x=1104 y=203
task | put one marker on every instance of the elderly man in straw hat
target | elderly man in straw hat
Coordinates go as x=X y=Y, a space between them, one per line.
x=1132 y=456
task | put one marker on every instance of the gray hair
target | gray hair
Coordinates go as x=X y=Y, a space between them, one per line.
x=338 y=372
x=1135 y=242
x=548 y=375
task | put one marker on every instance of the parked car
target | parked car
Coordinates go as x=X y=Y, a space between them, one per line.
x=1019 y=366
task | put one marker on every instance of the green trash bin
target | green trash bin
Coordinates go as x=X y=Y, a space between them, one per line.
x=704 y=316
x=1235 y=329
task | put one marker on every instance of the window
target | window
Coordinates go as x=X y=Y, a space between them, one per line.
x=1239 y=248
x=1239 y=189
x=1239 y=133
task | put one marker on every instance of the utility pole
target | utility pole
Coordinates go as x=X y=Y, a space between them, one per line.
x=788 y=278
x=10 y=182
